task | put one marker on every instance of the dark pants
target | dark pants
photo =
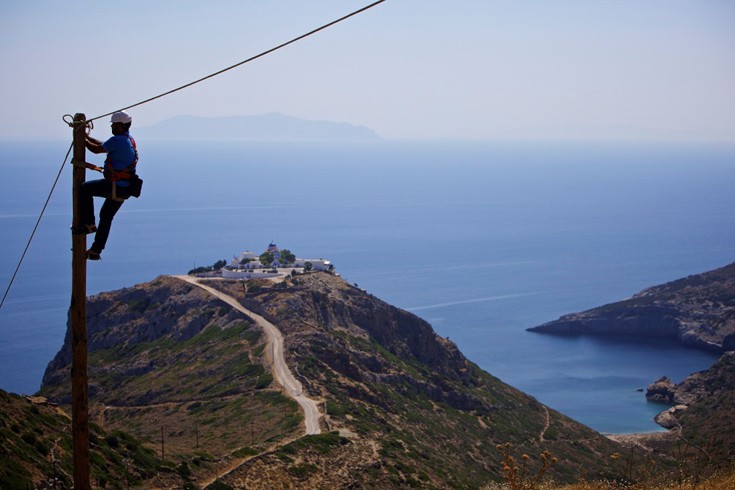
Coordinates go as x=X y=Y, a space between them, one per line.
x=99 y=188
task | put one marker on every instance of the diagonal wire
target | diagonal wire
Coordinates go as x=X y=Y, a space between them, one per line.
x=38 y=222
x=264 y=53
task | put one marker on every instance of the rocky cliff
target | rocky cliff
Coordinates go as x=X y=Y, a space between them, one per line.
x=401 y=406
x=698 y=311
x=703 y=407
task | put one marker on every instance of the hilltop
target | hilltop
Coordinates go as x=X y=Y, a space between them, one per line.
x=399 y=405
x=698 y=311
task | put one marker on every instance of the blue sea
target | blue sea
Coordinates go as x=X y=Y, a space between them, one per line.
x=482 y=239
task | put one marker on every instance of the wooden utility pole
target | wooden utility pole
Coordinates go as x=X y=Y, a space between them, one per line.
x=78 y=318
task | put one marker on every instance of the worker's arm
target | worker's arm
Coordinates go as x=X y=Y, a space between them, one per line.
x=94 y=145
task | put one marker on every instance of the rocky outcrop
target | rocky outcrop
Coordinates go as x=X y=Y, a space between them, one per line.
x=698 y=311
x=697 y=386
x=661 y=391
x=669 y=419
x=703 y=405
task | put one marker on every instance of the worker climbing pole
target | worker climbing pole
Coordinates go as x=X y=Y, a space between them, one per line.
x=120 y=182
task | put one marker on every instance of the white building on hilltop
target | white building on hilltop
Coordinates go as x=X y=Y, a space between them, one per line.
x=273 y=249
x=248 y=265
x=243 y=259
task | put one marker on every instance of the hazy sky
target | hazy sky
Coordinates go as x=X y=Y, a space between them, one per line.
x=479 y=69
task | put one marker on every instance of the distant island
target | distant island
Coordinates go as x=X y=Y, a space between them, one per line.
x=272 y=126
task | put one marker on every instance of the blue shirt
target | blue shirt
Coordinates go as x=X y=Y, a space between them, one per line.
x=120 y=153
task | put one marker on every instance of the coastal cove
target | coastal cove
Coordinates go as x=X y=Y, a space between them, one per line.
x=482 y=240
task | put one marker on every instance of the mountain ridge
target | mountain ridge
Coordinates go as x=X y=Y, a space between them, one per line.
x=402 y=406
x=272 y=126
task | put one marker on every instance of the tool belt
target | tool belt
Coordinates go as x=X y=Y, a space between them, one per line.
x=134 y=188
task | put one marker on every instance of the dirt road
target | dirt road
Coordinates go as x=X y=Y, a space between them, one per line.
x=274 y=350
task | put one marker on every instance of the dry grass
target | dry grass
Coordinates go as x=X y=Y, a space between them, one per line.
x=719 y=481
x=636 y=472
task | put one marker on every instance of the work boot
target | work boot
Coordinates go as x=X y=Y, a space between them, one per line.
x=93 y=255
x=83 y=229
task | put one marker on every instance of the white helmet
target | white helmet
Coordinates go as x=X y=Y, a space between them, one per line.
x=121 y=117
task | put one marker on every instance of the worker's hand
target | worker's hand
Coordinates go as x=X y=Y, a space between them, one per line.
x=94 y=145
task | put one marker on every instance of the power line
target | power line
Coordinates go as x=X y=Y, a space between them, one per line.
x=253 y=58
x=33 y=233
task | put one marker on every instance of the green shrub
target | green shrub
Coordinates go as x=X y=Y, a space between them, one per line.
x=184 y=470
x=244 y=451
x=218 y=485
x=302 y=470
x=14 y=476
x=112 y=441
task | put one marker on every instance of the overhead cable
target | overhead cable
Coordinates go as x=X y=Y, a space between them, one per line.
x=253 y=58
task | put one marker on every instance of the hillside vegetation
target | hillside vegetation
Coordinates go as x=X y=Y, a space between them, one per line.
x=403 y=405
x=169 y=361
x=189 y=376
x=415 y=410
x=36 y=449
x=709 y=419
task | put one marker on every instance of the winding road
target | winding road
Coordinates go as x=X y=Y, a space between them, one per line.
x=274 y=350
